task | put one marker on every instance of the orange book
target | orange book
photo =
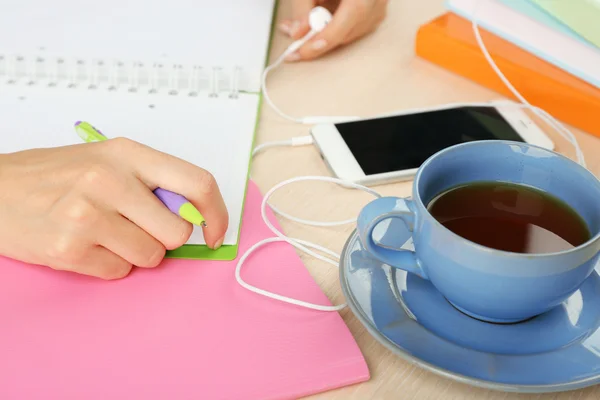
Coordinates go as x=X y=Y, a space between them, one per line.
x=449 y=41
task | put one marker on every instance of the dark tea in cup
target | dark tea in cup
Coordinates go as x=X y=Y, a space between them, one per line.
x=510 y=217
x=503 y=230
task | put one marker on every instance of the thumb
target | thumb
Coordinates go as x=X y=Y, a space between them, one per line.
x=299 y=25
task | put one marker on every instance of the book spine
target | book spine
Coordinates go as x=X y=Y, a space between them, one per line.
x=115 y=75
x=559 y=93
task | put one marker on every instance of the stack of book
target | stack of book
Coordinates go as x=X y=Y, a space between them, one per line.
x=548 y=49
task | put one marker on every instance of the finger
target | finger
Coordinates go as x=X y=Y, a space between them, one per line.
x=130 y=242
x=376 y=17
x=344 y=20
x=100 y=263
x=359 y=32
x=113 y=190
x=348 y=17
x=158 y=169
x=285 y=26
x=139 y=205
x=299 y=23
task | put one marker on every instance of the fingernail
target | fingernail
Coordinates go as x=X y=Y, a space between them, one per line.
x=285 y=28
x=218 y=243
x=319 y=44
x=295 y=56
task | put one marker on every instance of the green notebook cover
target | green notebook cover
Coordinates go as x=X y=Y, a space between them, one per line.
x=227 y=252
x=582 y=16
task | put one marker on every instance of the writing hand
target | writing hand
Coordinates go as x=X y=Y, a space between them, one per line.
x=90 y=209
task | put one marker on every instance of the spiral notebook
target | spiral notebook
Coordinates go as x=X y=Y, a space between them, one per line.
x=181 y=76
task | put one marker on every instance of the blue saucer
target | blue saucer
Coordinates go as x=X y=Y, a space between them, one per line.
x=556 y=351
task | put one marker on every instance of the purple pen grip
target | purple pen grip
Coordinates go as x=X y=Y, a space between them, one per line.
x=173 y=201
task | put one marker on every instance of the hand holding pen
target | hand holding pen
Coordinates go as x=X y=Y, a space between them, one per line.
x=178 y=204
x=94 y=209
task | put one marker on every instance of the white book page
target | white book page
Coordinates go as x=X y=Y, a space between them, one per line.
x=209 y=33
x=213 y=133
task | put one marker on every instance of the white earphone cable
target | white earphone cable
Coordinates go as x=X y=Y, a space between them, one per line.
x=331 y=257
x=266 y=93
x=303 y=120
x=559 y=127
x=302 y=245
x=318 y=19
x=297 y=141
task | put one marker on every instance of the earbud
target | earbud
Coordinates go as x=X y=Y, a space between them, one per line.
x=318 y=19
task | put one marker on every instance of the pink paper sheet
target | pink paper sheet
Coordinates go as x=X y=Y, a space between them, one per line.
x=185 y=330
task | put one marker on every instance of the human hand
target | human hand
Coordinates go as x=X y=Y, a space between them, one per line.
x=352 y=19
x=90 y=209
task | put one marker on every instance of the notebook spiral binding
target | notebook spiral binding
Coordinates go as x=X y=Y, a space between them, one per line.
x=133 y=77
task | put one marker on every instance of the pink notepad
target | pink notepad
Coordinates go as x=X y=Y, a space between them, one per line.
x=185 y=330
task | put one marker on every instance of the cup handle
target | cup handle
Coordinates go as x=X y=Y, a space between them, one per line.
x=379 y=210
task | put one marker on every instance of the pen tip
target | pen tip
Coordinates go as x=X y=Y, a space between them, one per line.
x=77 y=123
x=188 y=212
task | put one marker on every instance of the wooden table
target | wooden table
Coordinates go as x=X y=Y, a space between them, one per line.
x=375 y=75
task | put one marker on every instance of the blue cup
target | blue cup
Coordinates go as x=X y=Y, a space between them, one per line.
x=482 y=282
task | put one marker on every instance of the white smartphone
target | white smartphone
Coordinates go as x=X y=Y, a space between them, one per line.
x=392 y=147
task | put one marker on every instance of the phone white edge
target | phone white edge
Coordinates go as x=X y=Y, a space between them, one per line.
x=341 y=162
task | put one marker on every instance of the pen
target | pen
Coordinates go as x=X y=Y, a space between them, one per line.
x=174 y=202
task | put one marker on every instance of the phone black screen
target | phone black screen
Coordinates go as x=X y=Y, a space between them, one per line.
x=405 y=142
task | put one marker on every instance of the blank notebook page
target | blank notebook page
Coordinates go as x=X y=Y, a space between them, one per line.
x=215 y=134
